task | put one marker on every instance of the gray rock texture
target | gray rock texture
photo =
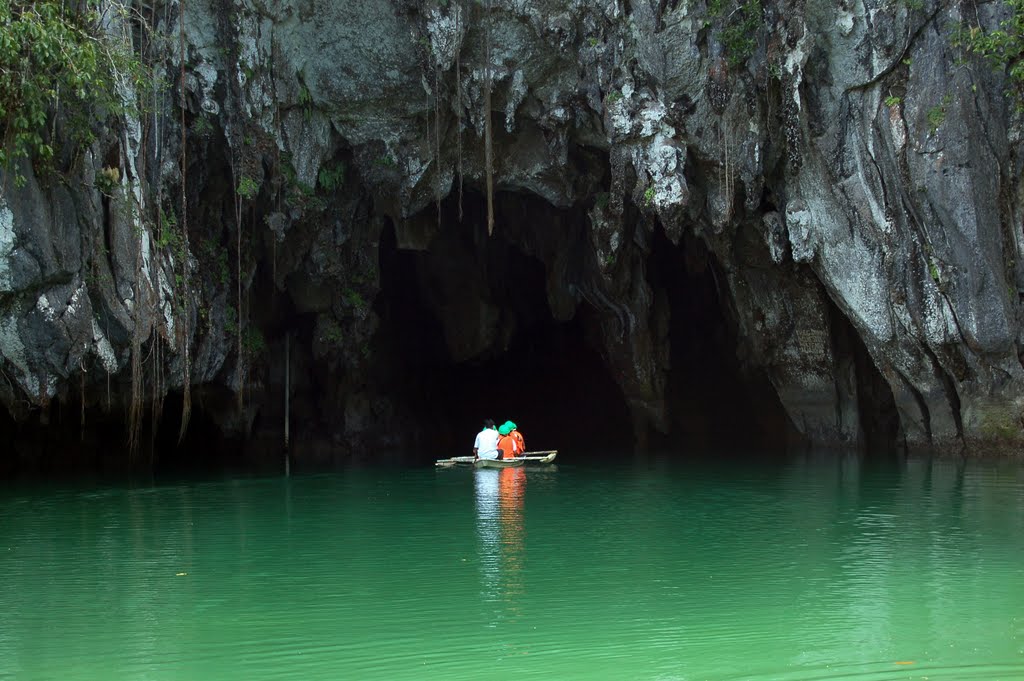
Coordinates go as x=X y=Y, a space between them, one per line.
x=853 y=174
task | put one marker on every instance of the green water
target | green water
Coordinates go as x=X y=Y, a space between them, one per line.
x=812 y=569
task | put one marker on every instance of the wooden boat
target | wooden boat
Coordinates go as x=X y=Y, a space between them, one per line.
x=532 y=458
x=499 y=463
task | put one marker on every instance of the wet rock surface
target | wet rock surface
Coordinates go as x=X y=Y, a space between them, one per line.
x=851 y=193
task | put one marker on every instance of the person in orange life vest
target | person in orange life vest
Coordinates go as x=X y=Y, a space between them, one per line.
x=518 y=437
x=507 y=446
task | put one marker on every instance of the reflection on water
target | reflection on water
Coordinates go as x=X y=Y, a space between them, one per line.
x=500 y=496
x=812 y=569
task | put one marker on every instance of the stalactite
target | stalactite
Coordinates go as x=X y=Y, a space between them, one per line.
x=488 y=149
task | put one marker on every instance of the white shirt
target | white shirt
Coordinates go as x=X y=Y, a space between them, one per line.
x=487 y=443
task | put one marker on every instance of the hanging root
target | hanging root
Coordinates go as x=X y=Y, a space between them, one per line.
x=184 y=307
x=488 y=149
x=437 y=138
x=458 y=104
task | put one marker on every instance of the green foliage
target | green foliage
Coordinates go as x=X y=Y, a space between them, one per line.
x=933 y=270
x=937 y=114
x=740 y=34
x=305 y=101
x=170 y=237
x=892 y=100
x=230 y=321
x=299 y=194
x=217 y=257
x=649 y=196
x=253 y=341
x=613 y=96
x=248 y=188
x=50 y=52
x=201 y=126
x=332 y=176
x=108 y=180
x=353 y=299
x=1003 y=48
x=331 y=333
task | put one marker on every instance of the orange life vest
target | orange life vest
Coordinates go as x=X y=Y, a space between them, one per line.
x=508 y=446
x=520 y=442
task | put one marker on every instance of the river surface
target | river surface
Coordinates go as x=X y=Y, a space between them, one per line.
x=817 y=568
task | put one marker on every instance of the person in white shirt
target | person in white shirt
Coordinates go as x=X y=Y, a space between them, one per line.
x=486 y=444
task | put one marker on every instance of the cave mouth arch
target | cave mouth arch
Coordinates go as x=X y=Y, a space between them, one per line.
x=540 y=372
x=549 y=374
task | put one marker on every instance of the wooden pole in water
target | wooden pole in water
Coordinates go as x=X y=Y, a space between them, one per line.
x=287 y=397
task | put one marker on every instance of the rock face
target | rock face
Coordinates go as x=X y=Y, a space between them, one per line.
x=857 y=187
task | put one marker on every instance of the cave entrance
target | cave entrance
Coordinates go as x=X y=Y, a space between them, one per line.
x=715 y=405
x=467 y=334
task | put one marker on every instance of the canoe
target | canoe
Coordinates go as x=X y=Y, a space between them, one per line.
x=499 y=463
x=532 y=458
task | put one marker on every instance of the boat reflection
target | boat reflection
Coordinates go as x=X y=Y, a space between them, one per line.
x=500 y=495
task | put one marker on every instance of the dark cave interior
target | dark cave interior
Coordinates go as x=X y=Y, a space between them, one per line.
x=546 y=374
x=551 y=379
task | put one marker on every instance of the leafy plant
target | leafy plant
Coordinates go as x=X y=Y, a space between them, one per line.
x=649 y=196
x=50 y=52
x=202 y=126
x=937 y=114
x=892 y=100
x=740 y=35
x=331 y=333
x=253 y=341
x=331 y=176
x=108 y=180
x=248 y=188
x=1002 y=48
x=305 y=100
x=353 y=299
x=230 y=321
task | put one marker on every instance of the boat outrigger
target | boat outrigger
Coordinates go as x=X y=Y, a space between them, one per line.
x=532 y=458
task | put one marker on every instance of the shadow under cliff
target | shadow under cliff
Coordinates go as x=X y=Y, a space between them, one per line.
x=551 y=375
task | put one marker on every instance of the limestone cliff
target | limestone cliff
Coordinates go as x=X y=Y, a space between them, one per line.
x=853 y=177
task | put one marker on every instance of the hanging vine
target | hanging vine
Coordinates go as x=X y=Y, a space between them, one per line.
x=184 y=330
x=437 y=138
x=488 y=148
x=458 y=100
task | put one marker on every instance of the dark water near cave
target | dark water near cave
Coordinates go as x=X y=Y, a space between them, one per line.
x=813 y=569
